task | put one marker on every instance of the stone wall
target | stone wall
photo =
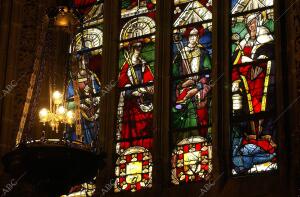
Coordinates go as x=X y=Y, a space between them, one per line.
x=294 y=33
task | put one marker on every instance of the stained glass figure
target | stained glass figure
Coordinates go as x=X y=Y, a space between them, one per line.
x=135 y=102
x=252 y=37
x=191 y=90
x=83 y=80
x=134 y=130
x=144 y=48
x=87 y=48
x=253 y=85
x=89 y=88
x=191 y=51
x=191 y=103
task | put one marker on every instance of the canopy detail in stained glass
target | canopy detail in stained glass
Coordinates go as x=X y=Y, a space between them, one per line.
x=176 y=2
x=246 y=5
x=193 y=13
x=137 y=27
x=88 y=39
x=94 y=15
x=136 y=7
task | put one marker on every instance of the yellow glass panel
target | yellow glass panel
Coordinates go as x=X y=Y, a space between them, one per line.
x=132 y=179
x=133 y=171
x=134 y=168
x=191 y=158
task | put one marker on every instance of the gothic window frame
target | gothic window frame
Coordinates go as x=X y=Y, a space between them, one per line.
x=221 y=107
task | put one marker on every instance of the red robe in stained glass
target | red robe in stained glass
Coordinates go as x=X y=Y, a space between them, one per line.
x=136 y=121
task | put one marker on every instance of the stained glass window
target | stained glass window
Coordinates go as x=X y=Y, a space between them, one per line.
x=134 y=132
x=253 y=67
x=84 y=80
x=191 y=91
x=83 y=190
x=92 y=38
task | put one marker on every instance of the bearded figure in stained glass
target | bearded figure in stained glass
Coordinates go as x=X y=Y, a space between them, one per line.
x=191 y=104
x=135 y=104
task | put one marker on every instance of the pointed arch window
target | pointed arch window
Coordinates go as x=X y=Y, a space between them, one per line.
x=191 y=91
x=190 y=129
x=253 y=133
x=134 y=132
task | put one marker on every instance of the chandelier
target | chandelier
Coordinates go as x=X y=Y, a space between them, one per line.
x=57 y=114
x=65 y=17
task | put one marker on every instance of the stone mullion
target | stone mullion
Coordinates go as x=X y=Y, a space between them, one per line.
x=109 y=100
x=166 y=28
x=281 y=82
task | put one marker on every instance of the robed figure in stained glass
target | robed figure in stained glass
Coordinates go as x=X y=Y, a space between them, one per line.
x=193 y=57
x=191 y=105
x=135 y=106
x=254 y=80
x=88 y=87
x=257 y=43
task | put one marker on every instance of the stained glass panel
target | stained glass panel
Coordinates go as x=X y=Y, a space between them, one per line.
x=192 y=12
x=89 y=88
x=134 y=170
x=251 y=155
x=84 y=80
x=89 y=39
x=94 y=15
x=191 y=99
x=191 y=91
x=249 y=47
x=135 y=114
x=191 y=160
x=83 y=190
x=137 y=27
x=83 y=86
x=141 y=52
x=253 y=85
x=248 y=5
x=192 y=50
x=136 y=7
x=134 y=128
